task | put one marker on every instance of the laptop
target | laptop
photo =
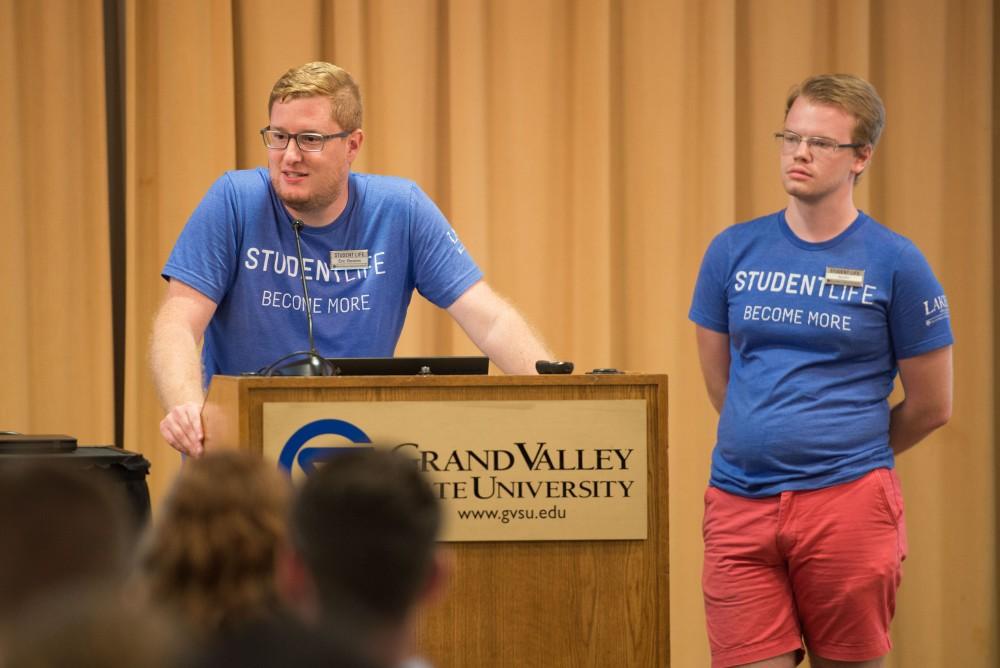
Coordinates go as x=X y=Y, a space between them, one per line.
x=411 y=366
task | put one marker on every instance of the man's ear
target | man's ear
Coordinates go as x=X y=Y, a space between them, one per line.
x=354 y=142
x=295 y=584
x=862 y=157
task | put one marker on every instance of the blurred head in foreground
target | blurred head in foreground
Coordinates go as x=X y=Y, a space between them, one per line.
x=61 y=528
x=209 y=557
x=362 y=553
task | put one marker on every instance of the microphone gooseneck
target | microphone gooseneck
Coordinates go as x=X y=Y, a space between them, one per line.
x=297 y=226
x=293 y=364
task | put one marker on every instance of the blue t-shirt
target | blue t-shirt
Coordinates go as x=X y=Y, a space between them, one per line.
x=812 y=360
x=238 y=249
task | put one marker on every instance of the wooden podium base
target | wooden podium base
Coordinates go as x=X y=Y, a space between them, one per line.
x=550 y=603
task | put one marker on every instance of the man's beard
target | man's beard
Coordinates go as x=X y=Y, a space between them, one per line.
x=316 y=200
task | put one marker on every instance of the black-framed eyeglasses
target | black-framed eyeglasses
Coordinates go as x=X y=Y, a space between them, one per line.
x=789 y=142
x=307 y=141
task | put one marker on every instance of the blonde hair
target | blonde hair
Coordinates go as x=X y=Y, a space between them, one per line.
x=850 y=93
x=321 y=79
x=210 y=556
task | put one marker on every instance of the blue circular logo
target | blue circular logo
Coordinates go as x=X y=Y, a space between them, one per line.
x=307 y=458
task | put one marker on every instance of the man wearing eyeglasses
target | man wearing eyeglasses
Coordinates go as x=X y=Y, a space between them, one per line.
x=366 y=241
x=803 y=319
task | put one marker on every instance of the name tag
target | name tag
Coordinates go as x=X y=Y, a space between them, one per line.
x=854 y=278
x=349 y=259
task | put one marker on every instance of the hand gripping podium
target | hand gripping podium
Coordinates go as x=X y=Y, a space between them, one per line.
x=553 y=488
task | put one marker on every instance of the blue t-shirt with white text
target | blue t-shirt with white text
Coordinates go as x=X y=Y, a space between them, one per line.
x=812 y=360
x=238 y=249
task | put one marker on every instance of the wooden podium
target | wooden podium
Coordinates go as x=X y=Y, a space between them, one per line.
x=512 y=603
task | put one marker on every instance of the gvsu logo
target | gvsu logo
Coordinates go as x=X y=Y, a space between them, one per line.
x=295 y=450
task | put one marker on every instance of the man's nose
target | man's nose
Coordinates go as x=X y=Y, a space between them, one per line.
x=292 y=152
x=802 y=151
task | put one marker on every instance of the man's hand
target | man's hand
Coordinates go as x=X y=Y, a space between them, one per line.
x=176 y=364
x=182 y=429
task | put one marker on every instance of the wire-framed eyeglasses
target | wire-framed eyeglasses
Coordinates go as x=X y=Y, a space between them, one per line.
x=789 y=142
x=307 y=141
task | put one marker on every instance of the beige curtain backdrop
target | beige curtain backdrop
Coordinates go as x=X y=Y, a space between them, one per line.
x=585 y=150
x=55 y=304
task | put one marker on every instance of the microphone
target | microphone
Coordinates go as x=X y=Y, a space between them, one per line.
x=314 y=364
x=297 y=226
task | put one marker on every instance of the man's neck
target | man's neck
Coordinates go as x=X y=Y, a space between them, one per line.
x=820 y=221
x=324 y=216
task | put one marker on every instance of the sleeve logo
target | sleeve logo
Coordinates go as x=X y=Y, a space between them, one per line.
x=935 y=310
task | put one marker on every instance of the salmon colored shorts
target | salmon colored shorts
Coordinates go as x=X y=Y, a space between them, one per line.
x=820 y=565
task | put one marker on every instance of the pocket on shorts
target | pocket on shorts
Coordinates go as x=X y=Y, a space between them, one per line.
x=892 y=497
x=718 y=508
x=709 y=494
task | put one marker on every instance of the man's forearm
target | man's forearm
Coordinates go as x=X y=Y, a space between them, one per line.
x=499 y=330
x=176 y=365
x=927 y=386
x=512 y=344
x=714 y=356
x=717 y=394
x=910 y=424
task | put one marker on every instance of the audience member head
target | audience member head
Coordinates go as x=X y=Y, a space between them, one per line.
x=60 y=528
x=209 y=557
x=362 y=546
x=284 y=641
x=93 y=628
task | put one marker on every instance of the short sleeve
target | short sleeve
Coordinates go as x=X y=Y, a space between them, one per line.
x=710 y=305
x=206 y=253
x=919 y=316
x=443 y=269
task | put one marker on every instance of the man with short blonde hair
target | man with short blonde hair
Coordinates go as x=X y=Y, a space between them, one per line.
x=852 y=94
x=362 y=243
x=322 y=80
x=804 y=318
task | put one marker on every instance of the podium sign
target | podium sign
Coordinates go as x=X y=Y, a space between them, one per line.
x=585 y=586
x=504 y=470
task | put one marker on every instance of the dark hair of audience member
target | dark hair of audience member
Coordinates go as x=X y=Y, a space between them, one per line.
x=60 y=528
x=365 y=525
x=209 y=557
x=98 y=627
x=280 y=642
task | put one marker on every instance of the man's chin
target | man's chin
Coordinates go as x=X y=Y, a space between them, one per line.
x=798 y=190
x=303 y=202
x=296 y=201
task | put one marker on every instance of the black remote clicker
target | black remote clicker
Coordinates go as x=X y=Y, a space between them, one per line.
x=548 y=366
